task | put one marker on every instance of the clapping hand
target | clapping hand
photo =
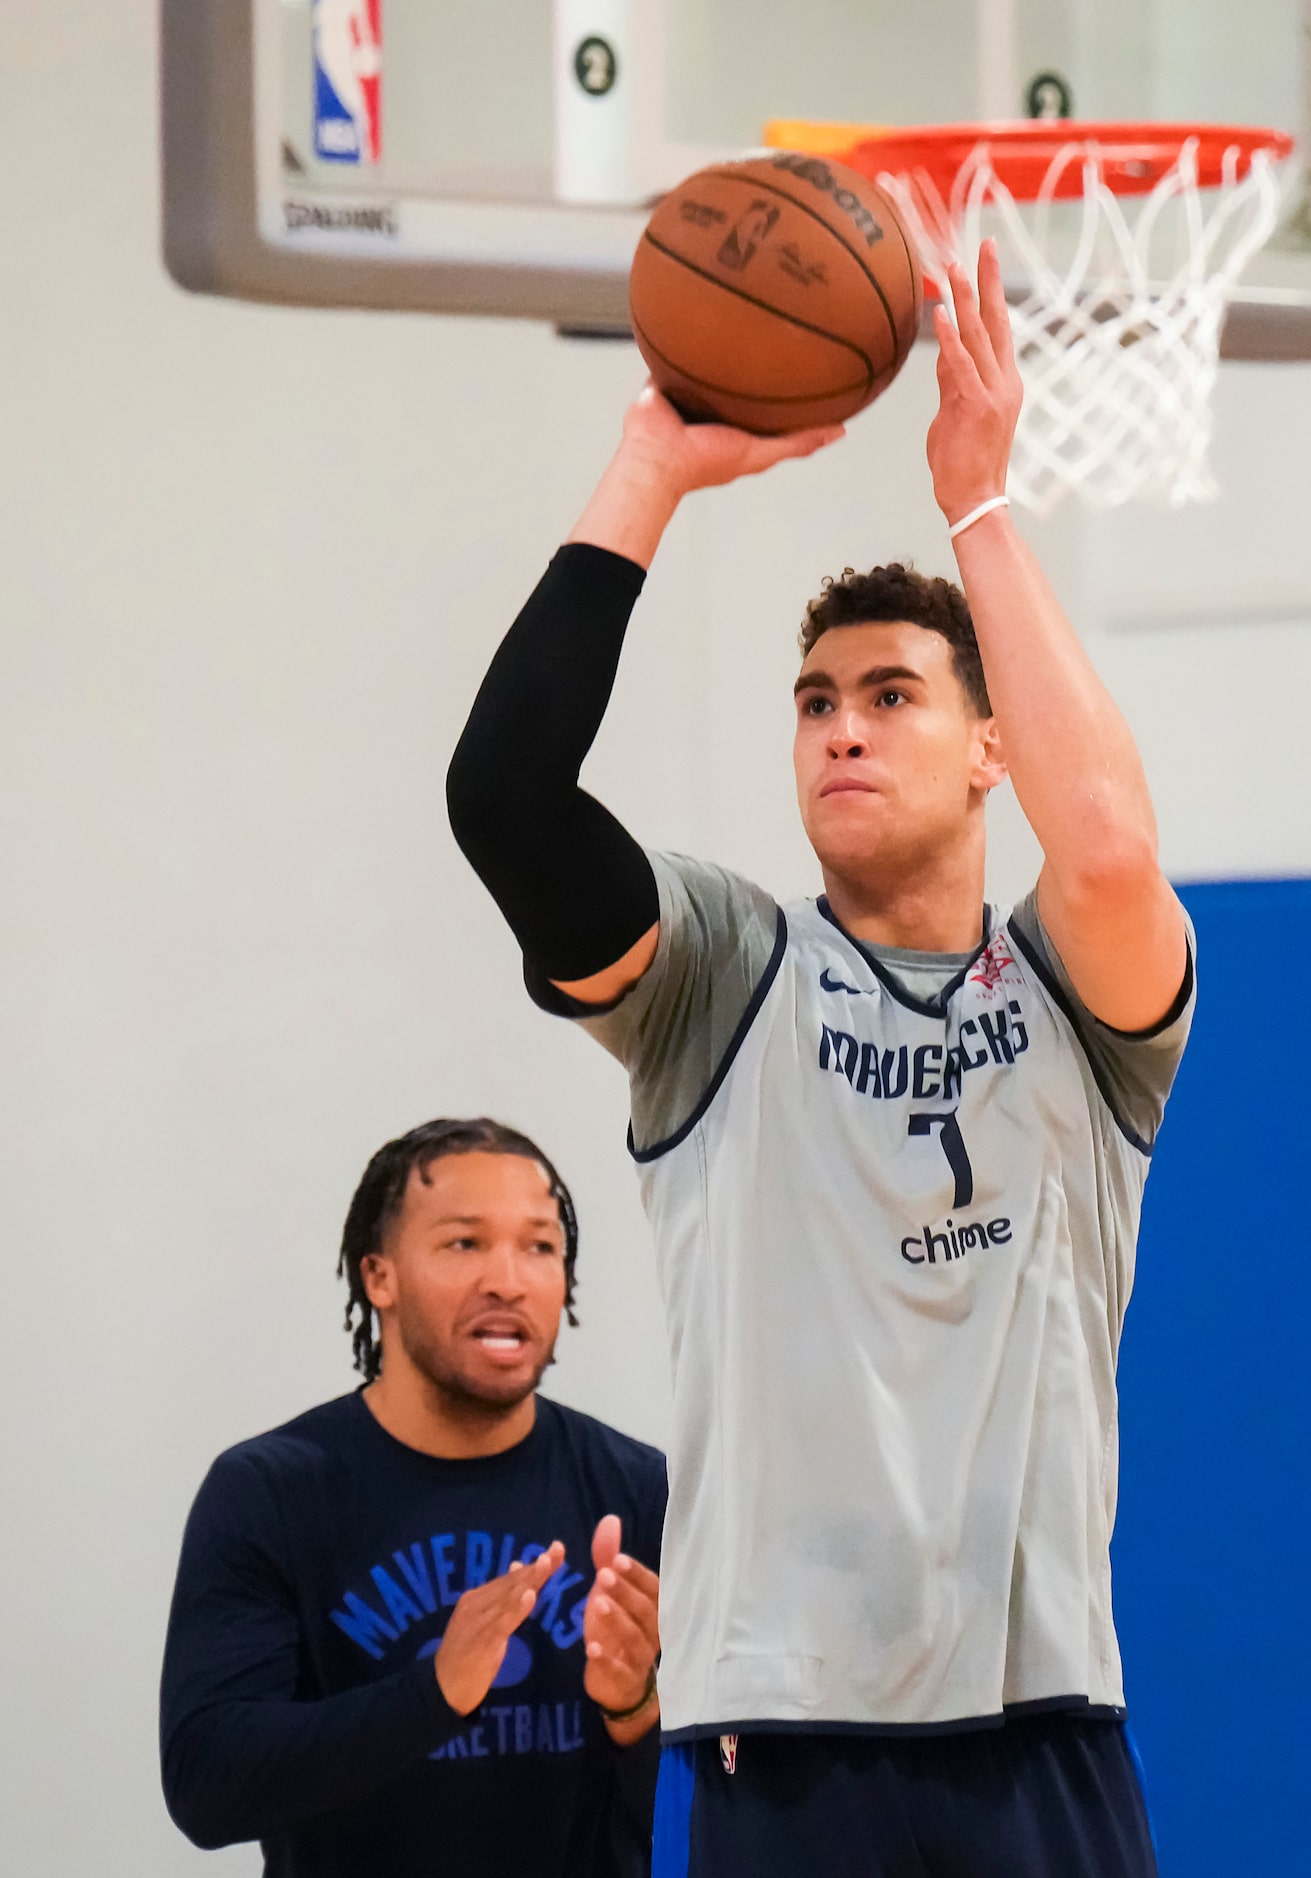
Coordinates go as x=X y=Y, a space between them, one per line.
x=478 y=1632
x=621 y=1631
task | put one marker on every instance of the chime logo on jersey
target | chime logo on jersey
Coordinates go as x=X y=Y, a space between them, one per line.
x=347 y=80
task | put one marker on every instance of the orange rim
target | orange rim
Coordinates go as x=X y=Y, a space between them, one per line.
x=1132 y=157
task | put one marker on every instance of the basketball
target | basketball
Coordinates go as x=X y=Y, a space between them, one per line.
x=775 y=293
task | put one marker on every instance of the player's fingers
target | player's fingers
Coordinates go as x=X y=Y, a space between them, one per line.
x=535 y=1574
x=645 y=1624
x=956 y=369
x=992 y=306
x=547 y=1562
x=611 y=1604
x=651 y=396
x=969 y=325
x=618 y=1634
x=520 y=1580
x=497 y=1608
x=639 y=1600
x=944 y=371
x=819 y=437
x=614 y=1599
x=633 y=1670
x=499 y=1622
x=638 y=1574
x=606 y=1540
x=503 y=1619
x=538 y=1569
x=766 y=451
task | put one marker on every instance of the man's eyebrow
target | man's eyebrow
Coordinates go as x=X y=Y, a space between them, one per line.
x=536 y=1221
x=876 y=675
x=813 y=681
x=884 y=674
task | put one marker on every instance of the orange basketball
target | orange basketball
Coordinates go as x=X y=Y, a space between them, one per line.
x=775 y=293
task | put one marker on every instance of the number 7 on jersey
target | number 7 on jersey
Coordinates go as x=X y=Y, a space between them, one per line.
x=953 y=1146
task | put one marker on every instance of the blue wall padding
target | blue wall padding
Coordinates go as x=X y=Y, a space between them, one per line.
x=1213 y=1545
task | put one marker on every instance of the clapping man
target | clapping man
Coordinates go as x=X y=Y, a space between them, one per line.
x=414 y=1629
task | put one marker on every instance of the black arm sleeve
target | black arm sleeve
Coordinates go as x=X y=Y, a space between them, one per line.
x=576 y=888
x=244 y=1757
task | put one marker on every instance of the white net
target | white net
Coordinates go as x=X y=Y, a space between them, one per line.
x=1118 y=330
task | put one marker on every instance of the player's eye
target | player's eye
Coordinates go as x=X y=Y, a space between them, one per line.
x=547 y=1247
x=463 y=1242
x=816 y=706
x=892 y=696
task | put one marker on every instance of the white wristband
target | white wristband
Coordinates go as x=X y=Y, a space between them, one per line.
x=977 y=515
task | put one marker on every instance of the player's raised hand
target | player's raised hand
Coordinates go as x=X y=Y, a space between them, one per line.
x=479 y=1629
x=621 y=1632
x=661 y=459
x=701 y=456
x=980 y=392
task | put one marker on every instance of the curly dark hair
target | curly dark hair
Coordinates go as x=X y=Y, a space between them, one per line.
x=897 y=592
x=381 y=1191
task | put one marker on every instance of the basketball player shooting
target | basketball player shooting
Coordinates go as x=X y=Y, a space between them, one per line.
x=893 y=1144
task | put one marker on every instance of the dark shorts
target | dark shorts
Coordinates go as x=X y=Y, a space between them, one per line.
x=1050 y=1796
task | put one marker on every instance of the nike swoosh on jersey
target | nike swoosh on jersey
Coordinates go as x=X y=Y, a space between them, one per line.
x=835 y=984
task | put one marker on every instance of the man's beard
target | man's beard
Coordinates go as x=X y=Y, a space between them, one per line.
x=450 y=1382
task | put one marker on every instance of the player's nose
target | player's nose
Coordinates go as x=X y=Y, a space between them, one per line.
x=500 y=1274
x=847 y=736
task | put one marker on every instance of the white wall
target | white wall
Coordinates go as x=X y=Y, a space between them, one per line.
x=252 y=563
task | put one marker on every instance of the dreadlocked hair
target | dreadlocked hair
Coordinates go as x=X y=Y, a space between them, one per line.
x=381 y=1192
x=895 y=593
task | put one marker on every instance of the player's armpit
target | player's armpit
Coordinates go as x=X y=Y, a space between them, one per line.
x=607 y=986
x=1122 y=939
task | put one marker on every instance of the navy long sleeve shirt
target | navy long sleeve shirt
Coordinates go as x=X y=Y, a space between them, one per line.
x=300 y=1706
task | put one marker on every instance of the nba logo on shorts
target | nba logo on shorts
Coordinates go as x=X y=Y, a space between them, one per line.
x=348 y=80
x=728 y=1753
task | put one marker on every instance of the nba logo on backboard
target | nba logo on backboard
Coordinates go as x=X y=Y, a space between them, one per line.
x=348 y=80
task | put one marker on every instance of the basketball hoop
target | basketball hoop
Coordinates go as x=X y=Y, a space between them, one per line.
x=1119 y=266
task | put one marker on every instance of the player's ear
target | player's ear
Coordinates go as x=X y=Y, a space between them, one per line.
x=378 y=1275
x=989 y=758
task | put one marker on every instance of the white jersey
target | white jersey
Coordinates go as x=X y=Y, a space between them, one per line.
x=895 y=1200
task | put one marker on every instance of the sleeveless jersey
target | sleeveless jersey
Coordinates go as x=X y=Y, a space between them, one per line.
x=895 y=1235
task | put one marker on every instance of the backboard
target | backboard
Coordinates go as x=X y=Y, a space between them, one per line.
x=414 y=154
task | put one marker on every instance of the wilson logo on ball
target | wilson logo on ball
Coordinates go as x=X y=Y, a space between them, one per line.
x=811 y=170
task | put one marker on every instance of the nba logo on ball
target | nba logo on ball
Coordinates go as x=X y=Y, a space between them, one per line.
x=746 y=235
x=347 y=80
